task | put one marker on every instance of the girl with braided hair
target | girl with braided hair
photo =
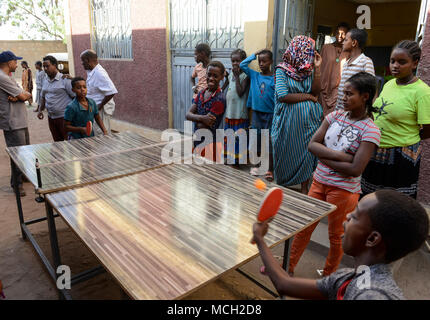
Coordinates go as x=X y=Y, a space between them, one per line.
x=403 y=116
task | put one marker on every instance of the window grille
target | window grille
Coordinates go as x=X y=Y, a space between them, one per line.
x=111 y=29
x=218 y=23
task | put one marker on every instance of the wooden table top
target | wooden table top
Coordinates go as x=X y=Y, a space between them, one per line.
x=166 y=232
x=68 y=164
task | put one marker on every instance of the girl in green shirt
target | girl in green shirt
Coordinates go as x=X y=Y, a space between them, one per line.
x=403 y=117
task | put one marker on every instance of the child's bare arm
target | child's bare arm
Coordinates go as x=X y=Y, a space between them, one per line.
x=358 y=164
x=208 y=119
x=317 y=147
x=425 y=132
x=241 y=87
x=297 y=97
x=316 y=83
x=284 y=284
x=100 y=123
x=69 y=128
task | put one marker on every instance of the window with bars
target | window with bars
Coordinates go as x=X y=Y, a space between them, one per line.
x=111 y=29
x=218 y=23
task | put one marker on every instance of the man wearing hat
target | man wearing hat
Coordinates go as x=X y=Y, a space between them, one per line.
x=13 y=112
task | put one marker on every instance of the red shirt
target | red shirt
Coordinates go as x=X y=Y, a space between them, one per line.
x=342 y=290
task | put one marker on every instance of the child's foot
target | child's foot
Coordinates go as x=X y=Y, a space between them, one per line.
x=269 y=176
x=254 y=172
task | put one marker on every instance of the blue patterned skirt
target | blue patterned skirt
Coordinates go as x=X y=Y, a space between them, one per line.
x=395 y=168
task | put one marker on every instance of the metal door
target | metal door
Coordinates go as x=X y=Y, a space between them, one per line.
x=218 y=23
x=292 y=18
x=422 y=21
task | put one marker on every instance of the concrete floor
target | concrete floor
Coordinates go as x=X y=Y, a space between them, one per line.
x=24 y=277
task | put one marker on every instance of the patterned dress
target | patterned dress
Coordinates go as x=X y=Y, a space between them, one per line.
x=292 y=129
x=215 y=105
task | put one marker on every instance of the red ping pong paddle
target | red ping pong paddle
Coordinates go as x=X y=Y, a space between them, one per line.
x=89 y=128
x=270 y=204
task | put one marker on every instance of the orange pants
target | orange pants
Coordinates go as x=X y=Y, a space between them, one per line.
x=345 y=202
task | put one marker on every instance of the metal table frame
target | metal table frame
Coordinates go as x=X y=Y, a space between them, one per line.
x=26 y=234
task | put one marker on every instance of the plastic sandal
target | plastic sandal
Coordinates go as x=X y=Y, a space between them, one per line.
x=269 y=176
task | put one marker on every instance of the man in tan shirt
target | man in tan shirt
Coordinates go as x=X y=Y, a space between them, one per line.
x=331 y=68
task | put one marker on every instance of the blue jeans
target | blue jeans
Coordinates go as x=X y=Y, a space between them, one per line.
x=262 y=120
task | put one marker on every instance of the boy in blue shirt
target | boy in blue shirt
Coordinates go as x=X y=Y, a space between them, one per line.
x=80 y=111
x=261 y=100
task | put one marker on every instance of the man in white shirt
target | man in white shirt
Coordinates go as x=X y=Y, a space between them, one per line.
x=100 y=88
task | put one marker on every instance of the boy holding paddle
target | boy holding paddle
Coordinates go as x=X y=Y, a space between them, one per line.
x=81 y=112
x=384 y=227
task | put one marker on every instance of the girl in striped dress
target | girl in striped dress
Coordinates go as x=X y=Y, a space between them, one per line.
x=297 y=114
x=343 y=144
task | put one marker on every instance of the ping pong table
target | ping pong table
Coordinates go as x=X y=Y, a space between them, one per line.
x=70 y=164
x=162 y=231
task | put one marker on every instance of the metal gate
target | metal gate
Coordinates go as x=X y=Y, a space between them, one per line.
x=422 y=21
x=292 y=18
x=218 y=23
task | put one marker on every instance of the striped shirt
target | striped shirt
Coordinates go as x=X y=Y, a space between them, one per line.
x=360 y=64
x=345 y=135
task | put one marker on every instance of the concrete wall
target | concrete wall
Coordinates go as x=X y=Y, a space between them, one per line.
x=142 y=96
x=258 y=26
x=424 y=74
x=31 y=51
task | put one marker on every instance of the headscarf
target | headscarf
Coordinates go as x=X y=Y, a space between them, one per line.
x=298 y=59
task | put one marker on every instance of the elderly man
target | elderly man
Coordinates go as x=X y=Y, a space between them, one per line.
x=13 y=113
x=100 y=87
x=55 y=96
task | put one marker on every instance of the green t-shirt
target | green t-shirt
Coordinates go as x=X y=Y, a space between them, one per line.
x=401 y=111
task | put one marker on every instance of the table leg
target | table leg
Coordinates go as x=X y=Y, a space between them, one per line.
x=53 y=240
x=286 y=259
x=18 y=200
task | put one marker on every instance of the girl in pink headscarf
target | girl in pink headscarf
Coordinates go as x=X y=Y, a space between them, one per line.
x=297 y=114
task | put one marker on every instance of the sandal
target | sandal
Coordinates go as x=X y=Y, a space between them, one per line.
x=269 y=176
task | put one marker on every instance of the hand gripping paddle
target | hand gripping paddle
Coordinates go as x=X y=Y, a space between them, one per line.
x=270 y=204
x=89 y=128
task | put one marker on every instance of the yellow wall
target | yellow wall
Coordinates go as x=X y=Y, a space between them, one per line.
x=392 y=22
x=257 y=26
x=389 y=23
x=330 y=12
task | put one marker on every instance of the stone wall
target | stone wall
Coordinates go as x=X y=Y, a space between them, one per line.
x=424 y=74
x=32 y=50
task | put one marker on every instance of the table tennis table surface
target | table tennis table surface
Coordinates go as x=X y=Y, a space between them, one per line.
x=166 y=232
x=75 y=163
